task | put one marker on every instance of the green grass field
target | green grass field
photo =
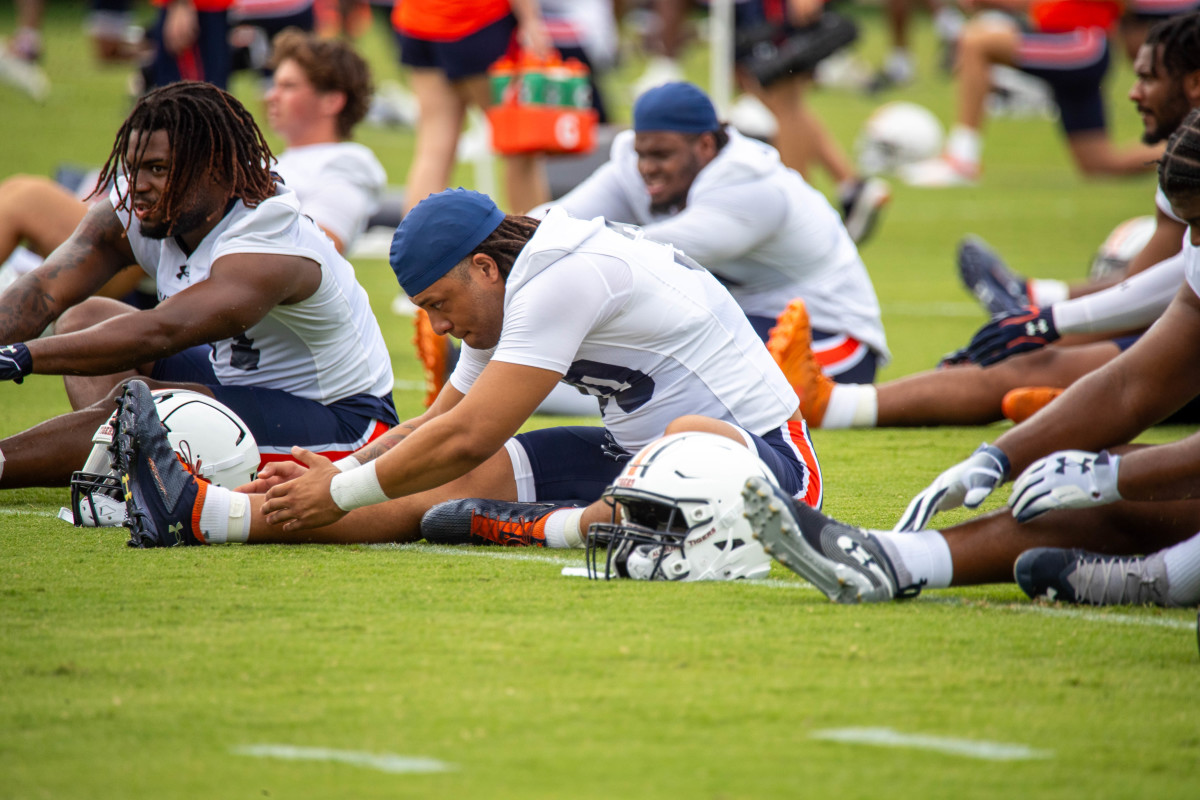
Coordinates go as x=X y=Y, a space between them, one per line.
x=412 y=671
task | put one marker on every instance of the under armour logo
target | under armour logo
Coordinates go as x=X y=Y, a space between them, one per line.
x=854 y=550
x=183 y=271
x=1037 y=326
x=175 y=529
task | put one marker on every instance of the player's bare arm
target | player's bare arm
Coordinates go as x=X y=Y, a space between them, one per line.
x=1115 y=403
x=93 y=254
x=240 y=291
x=445 y=447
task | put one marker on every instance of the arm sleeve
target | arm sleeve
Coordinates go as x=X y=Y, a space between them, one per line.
x=716 y=230
x=1133 y=303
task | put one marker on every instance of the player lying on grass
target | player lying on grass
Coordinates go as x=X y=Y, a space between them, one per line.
x=258 y=309
x=1100 y=495
x=636 y=323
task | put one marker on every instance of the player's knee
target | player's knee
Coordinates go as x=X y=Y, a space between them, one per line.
x=90 y=312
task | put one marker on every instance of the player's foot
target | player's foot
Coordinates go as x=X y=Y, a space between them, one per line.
x=478 y=521
x=939 y=173
x=862 y=205
x=984 y=273
x=790 y=344
x=437 y=353
x=1077 y=576
x=162 y=497
x=1021 y=404
x=21 y=71
x=847 y=564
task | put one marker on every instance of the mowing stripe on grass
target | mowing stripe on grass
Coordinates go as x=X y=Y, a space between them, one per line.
x=886 y=737
x=934 y=310
x=384 y=762
x=1074 y=613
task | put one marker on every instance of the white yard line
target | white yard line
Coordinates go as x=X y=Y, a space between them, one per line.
x=886 y=737
x=384 y=762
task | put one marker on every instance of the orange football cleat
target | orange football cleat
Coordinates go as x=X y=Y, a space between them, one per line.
x=431 y=349
x=1021 y=404
x=790 y=344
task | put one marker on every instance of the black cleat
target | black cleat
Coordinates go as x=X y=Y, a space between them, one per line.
x=162 y=497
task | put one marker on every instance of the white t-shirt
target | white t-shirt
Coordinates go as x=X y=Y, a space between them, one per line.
x=339 y=185
x=638 y=325
x=324 y=348
x=757 y=225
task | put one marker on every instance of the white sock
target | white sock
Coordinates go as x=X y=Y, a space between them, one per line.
x=1 y=463
x=1182 y=562
x=899 y=65
x=562 y=528
x=923 y=555
x=965 y=145
x=1047 y=291
x=225 y=516
x=852 y=405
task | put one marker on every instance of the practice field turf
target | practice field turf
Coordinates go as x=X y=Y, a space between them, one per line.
x=414 y=671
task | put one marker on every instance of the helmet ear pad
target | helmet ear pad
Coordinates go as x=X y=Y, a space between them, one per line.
x=677 y=514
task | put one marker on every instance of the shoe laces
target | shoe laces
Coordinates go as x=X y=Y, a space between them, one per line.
x=1115 y=581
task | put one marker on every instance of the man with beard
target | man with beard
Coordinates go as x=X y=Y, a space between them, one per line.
x=1013 y=346
x=257 y=307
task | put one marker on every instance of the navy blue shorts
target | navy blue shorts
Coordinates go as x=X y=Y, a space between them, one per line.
x=460 y=58
x=575 y=464
x=279 y=419
x=1074 y=64
x=210 y=59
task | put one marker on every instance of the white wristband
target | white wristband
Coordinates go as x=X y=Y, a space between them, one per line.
x=348 y=463
x=357 y=488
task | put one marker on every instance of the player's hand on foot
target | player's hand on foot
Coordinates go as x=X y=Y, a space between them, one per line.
x=304 y=502
x=1066 y=479
x=273 y=474
x=965 y=484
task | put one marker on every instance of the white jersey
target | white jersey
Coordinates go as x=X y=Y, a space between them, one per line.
x=757 y=225
x=339 y=185
x=638 y=325
x=1164 y=205
x=324 y=348
x=1191 y=256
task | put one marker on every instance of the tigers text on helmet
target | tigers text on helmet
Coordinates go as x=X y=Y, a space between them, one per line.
x=206 y=434
x=677 y=514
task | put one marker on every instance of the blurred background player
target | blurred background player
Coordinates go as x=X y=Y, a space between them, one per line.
x=1068 y=47
x=448 y=45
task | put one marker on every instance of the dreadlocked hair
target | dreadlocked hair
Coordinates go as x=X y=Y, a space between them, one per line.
x=1179 y=167
x=212 y=136
x=1178 y=39
x=506 y=242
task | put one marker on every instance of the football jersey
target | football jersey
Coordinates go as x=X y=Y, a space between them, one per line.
x=1191 y=255
x=324 y=348
x=638 y=325
x=339 y=185
x=764 y=232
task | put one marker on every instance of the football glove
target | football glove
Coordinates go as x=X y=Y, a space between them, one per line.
x=1010 y=334
x=15 y=362
x=1066 y=479
x=967 y=483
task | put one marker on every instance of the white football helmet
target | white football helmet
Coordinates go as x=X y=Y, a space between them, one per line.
x=1125 y=242
x=205 y=433
x=677 y=514
x=895 y=134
